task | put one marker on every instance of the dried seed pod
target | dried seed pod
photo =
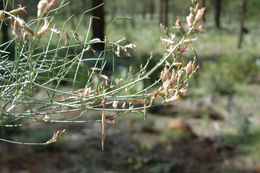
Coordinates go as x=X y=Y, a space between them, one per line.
x=55 y=31
x=199 y=16
x=23 y=24
x=15 y=29
x=188 y=68
x=179 y=26
x=2 y=16
x=175 y=97
x=52 y=4
x=87 y=92
x=189 y=20
x=19 y=10
x=25 y=37
x=130 y=46
x=44 y=28
x=124 y=105
x=41 y=7
x=115 y=104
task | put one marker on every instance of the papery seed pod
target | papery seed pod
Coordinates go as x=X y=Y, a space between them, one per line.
x=56 y=135
x=124 y=105
x=87 y=92
x=183 y=90
x=166 y=84
x=163 y=95
x=105 y=78
x=173 y=78
x=182 y=49
x=111 y=121
x=179 y=26
x=14 y=27
x=165 y=74
x=167 y=41
x=117 y=52
x=121 y=40
x=188 y=41
x=21 y=22
x=201 y=29
x=103 y=101
x=41 y=7
x=54 y=30
x=2 y=16
x=189 y=20
x=162 y=76
x=130 y=46
x=127 y=53
x=97 y=101
x=19 y=10
x=131 y=106
x=52 y=4
x=175 y=97
x=25 y=37
x=67 y=38
x=199 y=15
x=79 y=94
x=155 y=93
x=94 y=40
x=172 y=36
x=188 y=68
x=115 y=104
x=44 y=28
x=46 y=118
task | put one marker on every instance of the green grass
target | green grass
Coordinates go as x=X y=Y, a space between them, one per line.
x=248 y=145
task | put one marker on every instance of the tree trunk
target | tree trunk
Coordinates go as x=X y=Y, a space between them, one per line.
x=98 y=24
x=151 y=9
x=242 y=29
x=4 y=28
x=164 y=12
x=218 y=9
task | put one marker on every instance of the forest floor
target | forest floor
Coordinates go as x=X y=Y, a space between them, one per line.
x=196 y=134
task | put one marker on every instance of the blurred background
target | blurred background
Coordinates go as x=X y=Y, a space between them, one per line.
x=215 y=128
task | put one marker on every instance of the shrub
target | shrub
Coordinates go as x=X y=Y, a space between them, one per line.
x=221 y=77
x=37 y=66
